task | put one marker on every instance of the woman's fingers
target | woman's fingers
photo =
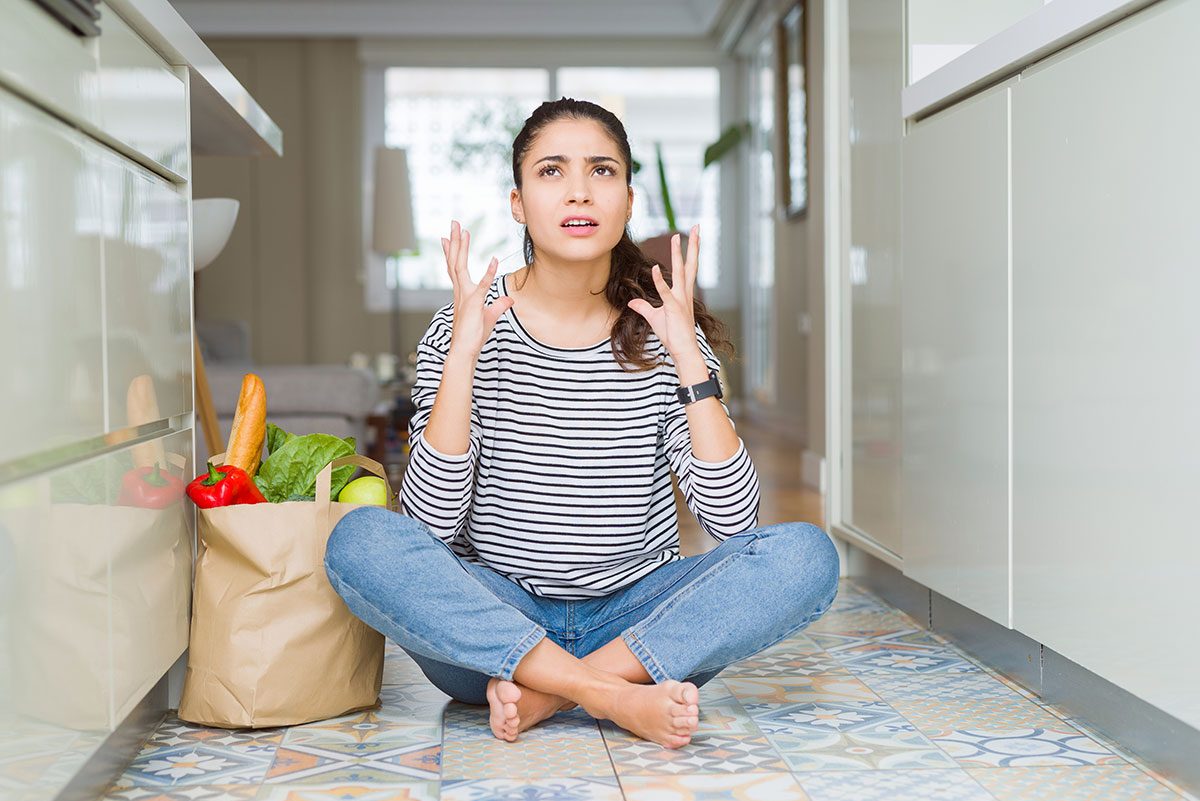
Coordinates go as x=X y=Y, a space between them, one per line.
x=660 y=283
x=449 y=269
x=488 y=274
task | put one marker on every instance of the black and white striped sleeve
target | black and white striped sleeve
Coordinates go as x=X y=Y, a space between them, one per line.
x=437 y=487
x=724 y=496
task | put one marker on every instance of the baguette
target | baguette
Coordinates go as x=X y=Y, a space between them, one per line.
x=249 y=426
x=141 y=407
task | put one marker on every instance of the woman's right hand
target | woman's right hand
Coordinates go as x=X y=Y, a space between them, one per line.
x=473 y=321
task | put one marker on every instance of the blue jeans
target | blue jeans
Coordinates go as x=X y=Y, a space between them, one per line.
x=463 y=622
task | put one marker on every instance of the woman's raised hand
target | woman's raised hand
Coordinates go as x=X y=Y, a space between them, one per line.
x=473 y=321
x=675 y=321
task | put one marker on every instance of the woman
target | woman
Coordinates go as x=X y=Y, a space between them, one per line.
x=537 y=564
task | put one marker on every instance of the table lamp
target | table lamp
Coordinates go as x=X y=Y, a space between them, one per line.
x=393 y=230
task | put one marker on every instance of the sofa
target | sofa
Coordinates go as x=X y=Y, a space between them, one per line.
x=302 y=398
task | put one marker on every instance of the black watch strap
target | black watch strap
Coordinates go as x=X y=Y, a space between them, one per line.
x=705 y=389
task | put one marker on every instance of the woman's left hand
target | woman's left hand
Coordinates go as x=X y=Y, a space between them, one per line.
x=674 y=321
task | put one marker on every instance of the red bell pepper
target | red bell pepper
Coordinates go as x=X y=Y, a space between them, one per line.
x=226 y=485
x=150 y=488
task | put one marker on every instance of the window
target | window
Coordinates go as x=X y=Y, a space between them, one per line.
x=651 y=104
x=457 y=125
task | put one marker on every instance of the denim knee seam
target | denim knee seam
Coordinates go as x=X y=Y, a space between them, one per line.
x=803 y=624
x=690 y=589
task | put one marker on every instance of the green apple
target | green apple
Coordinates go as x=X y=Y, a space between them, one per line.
x=370 y=490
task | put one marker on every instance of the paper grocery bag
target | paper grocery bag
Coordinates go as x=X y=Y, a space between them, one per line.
x=272 y=643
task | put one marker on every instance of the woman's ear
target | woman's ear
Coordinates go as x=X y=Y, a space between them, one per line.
x=518 y=209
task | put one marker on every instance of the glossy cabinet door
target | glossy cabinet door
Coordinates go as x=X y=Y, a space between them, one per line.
x=51 y=279
x=142 y=102
x=954 y=476
x=870 y=478
x=1106 y=347
x=147 y=295
x=95 y=580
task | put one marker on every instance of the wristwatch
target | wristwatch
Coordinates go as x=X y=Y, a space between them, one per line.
x=705 y=389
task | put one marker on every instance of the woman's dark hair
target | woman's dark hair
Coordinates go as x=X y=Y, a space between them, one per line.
x=630 y=275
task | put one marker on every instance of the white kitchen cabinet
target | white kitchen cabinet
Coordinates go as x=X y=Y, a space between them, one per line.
x=95 y=605
x=51 y=277
x=870 y=468
x=148 y=282
x=954 y=474
x=1106 y=342
x=96 y=300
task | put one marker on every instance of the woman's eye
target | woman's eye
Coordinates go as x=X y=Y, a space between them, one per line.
x=548 y=167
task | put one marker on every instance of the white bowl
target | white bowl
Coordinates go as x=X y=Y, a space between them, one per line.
x=212 y=223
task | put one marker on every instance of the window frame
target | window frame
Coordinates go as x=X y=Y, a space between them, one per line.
x=377 y=56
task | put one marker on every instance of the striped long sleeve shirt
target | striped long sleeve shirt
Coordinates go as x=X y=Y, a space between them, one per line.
x=565 y=487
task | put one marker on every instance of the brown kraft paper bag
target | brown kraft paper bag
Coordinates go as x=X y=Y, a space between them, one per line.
x=272 y=643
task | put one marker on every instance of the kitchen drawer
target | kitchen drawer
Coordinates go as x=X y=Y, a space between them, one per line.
x=41 y=58
x=147 y=293
x=143 y=103
x=95 y=608
x=150 y=591
x=50 y=282
x=114 y=86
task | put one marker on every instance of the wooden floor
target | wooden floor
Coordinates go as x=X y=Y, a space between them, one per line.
x=784 y=497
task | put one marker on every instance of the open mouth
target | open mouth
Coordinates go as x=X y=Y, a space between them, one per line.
x=580 y=224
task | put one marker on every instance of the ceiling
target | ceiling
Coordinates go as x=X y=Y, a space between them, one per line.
x=457 y=18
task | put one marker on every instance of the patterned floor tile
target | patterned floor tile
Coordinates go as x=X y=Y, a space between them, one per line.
x=745 y=787
x=892 y=785
x=784 y=664
x=384 y=725
x=706 y=753
x=1022 y=747
x=191 y=792
x=799 y=689
x=939 y=686
x=543 y=789
x=173 y=732
x=527 y=758
x=1087 y=783
x=933 y=715
x=195 y=764
x=390 y=791
x=371 y=762
x=883 y=658
x=852 y=735
x=868 y=622
x=468 y=722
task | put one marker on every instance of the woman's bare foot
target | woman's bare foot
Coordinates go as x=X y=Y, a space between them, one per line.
x=502 y=699
x=531 y=707
x=666 y=713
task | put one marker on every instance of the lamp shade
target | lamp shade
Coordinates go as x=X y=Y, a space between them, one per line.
x=212 y=223
x=393 y=225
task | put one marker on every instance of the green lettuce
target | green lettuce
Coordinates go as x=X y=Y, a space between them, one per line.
x=293 y=462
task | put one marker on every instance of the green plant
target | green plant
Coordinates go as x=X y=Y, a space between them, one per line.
x=729 y=139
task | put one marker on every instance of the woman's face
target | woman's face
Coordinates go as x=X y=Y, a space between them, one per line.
x=573 y=169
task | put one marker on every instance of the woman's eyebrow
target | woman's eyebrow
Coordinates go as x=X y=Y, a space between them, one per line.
x=590 y=159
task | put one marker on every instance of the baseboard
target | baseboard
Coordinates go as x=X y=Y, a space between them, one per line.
x=119 y=749
x=1161 y=741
